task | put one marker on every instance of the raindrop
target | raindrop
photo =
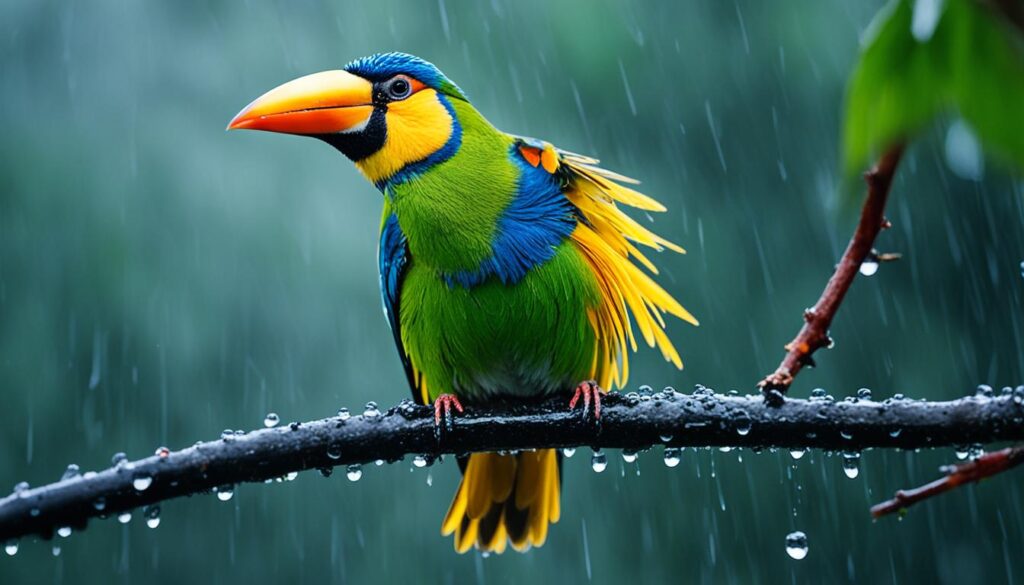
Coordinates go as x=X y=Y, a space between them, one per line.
x=846 y=434
x=55 y=550
x=71 y=472
x=797 y=453
x=124 y=517
x=64 y=531
x=665 y=438
x=290 y=476
x=419 y=461
x=119 y=460
x=818 y=394
x=162 y=452
x=141 y=482
x=270 y=421
x=379 y=462
x=371 y=410
x=963 y=152
x=568 y=452
x=961 y=453
x=152 y=515
x=11 y=547
x=869 y=267
x=743 y=423
x=671 y=456
x=21 y=488
x=984 y=391
x=851 y=464
x=864 y=394
x=796 y=545
x=354 y=472
x=895 y=433
x=225 y=492
x=629 y=455
x=343 y=413
x=645 y=389
x=334 y=451
x=99 y=503
x=598 y=461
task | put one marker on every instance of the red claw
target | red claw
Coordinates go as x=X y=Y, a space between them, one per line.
x=443 y=405
x=588 y=390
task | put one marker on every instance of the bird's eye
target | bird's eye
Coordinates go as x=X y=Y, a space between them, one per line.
x=399 y=88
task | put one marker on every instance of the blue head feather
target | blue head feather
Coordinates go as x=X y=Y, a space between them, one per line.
x=383 y=66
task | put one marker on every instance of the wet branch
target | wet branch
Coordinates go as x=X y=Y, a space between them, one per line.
x=981 y=468
x=628 y=422
x=814 y=334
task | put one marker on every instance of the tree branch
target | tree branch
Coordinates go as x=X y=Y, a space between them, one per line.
x=983 y=467
x=814 y=334
x=629 y=422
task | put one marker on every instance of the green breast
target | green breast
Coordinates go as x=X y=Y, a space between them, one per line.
x=527 y=339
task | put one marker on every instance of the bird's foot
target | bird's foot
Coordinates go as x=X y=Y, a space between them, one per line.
x=443 y=409
x=591 y=393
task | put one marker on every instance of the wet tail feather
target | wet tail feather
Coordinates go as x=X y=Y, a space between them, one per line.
x=505 y=498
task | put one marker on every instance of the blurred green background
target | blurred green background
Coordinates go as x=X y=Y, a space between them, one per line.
x=161 y=280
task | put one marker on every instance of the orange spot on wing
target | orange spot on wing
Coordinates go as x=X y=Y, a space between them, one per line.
x=532 y=155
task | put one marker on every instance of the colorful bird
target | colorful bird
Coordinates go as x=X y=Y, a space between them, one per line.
x=507 y=269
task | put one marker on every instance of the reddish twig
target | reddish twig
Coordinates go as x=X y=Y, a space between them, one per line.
x=956 y=475
x=814 y=334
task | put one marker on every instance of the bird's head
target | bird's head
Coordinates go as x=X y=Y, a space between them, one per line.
x=385 y=112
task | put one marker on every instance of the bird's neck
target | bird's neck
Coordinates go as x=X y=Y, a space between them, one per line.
x=449 y=212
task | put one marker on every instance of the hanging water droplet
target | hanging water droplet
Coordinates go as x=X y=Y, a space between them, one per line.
x=672 y=456
x=629 y=455
x=99 y=503
x=846 y=434
x=34 y=512
x=354 y=472
x=869 y=267
x=55 y=551
x=11 y=547
x=419 y=461
x=152 y=515
x=371 y=410
x=343 y=413
x=797 y=453
x=142 y=481
x=961 y=452
x=124 y=517
x=743 y=423
x=796 y=545
x=291 y=475
x=895 y=433
x=568 y=452
x=665 y=438
x=379 y=462
x=598 y=461
x=71 y=472
x=270 y=421
x=225 y=492
x=851 y=463
x=725 y=449
x=64 y=531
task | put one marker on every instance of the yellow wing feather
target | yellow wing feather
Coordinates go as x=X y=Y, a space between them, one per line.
x=610 y=240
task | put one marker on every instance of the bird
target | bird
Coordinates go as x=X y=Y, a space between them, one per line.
x=509 y=271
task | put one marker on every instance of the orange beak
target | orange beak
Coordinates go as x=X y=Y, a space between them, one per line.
x=322 y=103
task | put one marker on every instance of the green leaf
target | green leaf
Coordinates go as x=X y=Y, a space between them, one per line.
x=987 y=78
x=900 y=84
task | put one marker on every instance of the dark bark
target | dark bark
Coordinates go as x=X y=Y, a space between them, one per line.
x=630 y=422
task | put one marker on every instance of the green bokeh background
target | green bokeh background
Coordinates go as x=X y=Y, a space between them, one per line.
x=161 y=280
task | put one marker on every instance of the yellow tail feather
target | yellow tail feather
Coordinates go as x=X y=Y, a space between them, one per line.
x=505 y=499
